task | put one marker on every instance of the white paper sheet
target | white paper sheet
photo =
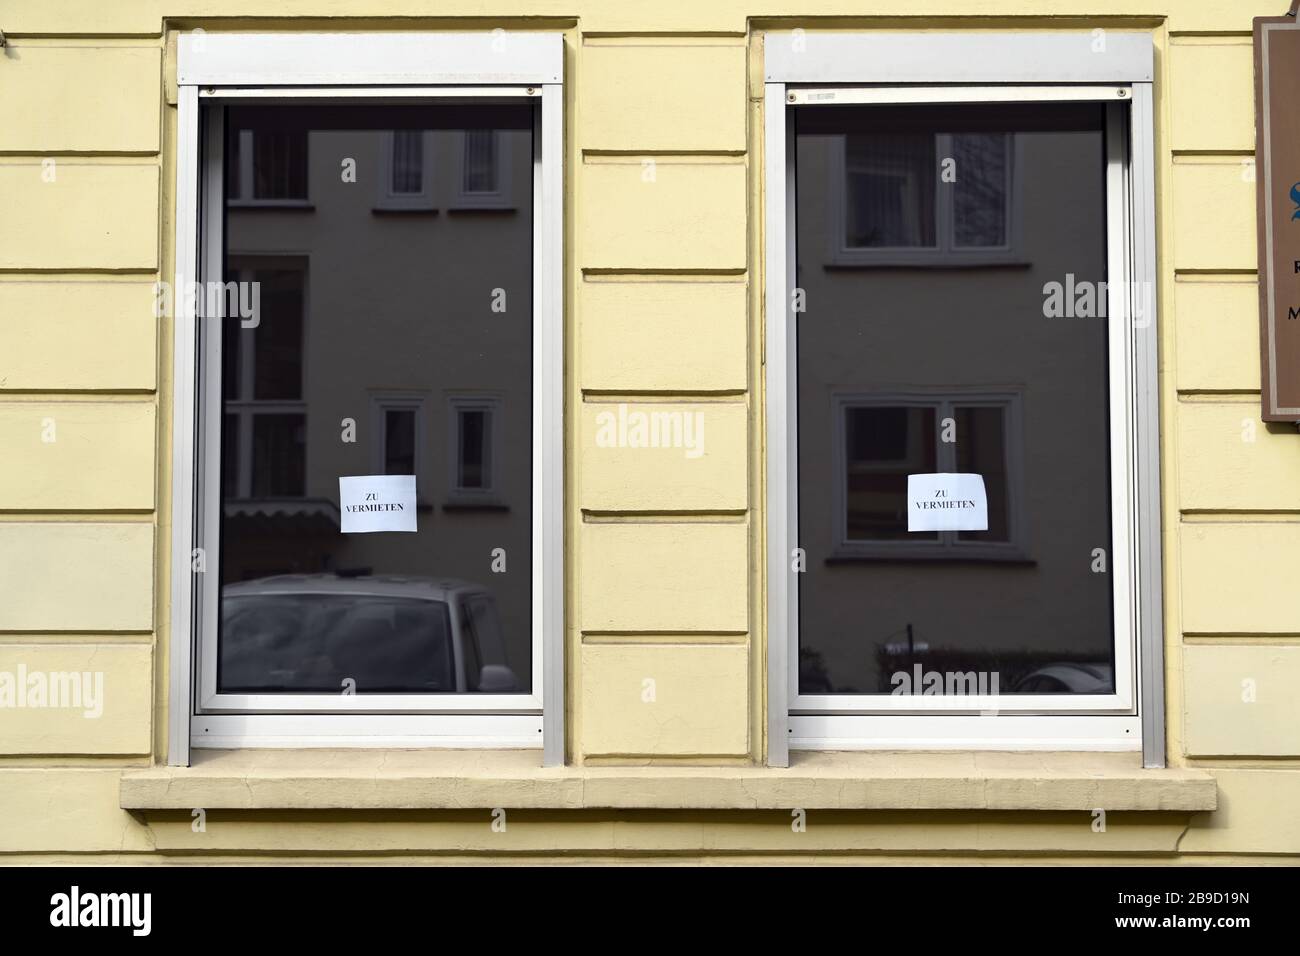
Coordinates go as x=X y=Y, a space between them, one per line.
x=947 y=501
x=377 y=503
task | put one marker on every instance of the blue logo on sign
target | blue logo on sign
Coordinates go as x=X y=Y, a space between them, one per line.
x=1295 y=198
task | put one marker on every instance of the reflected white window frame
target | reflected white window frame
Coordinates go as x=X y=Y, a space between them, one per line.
x=465 y=199
x=945 y=253
x=945 y=403
x=972 y=67
x=388 y=199
x=383 y=402
x=491 y=406
x=436 y=67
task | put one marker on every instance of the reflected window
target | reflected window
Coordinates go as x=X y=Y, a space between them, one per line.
x=264 y=444
x=406 y=171
x=917 y=197
x=474 y=425
x=882 y=439
x=267 y=166
x=482 y=178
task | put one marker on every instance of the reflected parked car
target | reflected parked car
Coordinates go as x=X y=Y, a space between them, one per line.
x=1068 y=678
x=397 y=635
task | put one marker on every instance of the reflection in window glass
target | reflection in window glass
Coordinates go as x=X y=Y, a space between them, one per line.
x=891 y=190
x=980 y=190
x=355 y=306
x=480 y=161
x=408 y=162
x=473 y=448
x=885 y=445
x=930 y=369
x=399 y=441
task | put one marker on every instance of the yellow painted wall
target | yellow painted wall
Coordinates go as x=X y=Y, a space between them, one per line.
x=664 y=311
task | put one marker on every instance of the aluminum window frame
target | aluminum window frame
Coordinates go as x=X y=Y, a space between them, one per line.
x=465 y=66
x=903 y=67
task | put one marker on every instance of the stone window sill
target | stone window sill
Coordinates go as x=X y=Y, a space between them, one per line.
x=515 y=779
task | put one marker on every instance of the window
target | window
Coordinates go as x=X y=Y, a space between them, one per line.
x=482 y=178
x=406 y=171
x=264 y=448
x=301 y=634
x=397 y=433
x=475 y=450
x=922 y=197
x=1032 y=618
x=267 y=167
x=880 y=439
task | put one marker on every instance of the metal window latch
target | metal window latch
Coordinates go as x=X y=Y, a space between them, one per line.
x=3 y=41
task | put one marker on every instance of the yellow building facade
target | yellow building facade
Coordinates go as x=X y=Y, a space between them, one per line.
x=666 y=562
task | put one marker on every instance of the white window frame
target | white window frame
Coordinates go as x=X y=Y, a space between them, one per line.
x=469 y=66
x=825 y=68
x=390 y=201
x=949 y=545
x=491 y=405
x=463 y=199
x=945 y=253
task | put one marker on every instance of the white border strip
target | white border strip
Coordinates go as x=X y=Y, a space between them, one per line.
x=377 y=59
x=1095 y=56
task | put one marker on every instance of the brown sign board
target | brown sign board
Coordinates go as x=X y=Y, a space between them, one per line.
x=1277 y=152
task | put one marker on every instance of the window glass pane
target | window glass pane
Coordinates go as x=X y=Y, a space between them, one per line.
x=279 y=164
x=278 y=455
x=982 y=449
x=277 y=335
x=889 y=190
x=472 y=449
x=399 y=441
x=353 y=306
x=885 y=356
x=408 y=162
x=279 y=634
x=230 y=457
x=885 y=445
x=480 y=161
x=980 y=191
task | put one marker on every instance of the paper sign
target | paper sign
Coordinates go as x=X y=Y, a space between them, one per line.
x=377 y=503
x=947 y=502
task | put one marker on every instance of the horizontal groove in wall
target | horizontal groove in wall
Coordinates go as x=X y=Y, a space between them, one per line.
x=723 y=277
x=672 y=157
x=1205 y=396
x=664 y=155
x=663 y=517
x=79 y=154
x=63 y=515
x=1228 y=639
x=632 y=271
x=1223 y=516
x=1191 y=37
x=76 y=638
x=74 y=762
x=720 y=396
x=665 y=638
x=79 y=270
x=1211 y=275
x=1194 y=154
x=35 y=160
x=699 y=38
x=658 y=760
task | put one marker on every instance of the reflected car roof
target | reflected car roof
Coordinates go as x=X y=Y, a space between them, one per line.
x=426 y=589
